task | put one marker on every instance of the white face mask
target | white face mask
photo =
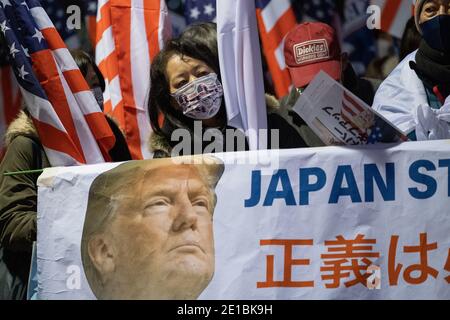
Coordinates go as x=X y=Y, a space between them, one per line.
x=200 y=99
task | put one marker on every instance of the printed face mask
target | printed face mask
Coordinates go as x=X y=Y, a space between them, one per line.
x=200 y=99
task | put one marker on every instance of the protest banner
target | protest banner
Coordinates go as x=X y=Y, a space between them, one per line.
x=353 y=222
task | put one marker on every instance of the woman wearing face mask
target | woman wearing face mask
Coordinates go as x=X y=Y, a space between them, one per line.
x=416 y=95
x=186 y=93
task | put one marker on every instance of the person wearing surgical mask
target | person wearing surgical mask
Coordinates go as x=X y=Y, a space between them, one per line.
x=416 y=95
x=186 y=93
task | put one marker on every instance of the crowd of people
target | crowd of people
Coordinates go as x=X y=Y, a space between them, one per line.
x=411 y=90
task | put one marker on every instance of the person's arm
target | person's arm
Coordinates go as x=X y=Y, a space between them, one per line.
x=18 y=196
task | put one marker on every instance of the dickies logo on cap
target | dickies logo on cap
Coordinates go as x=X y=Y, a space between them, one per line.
x=310 y=51
x=309 y=48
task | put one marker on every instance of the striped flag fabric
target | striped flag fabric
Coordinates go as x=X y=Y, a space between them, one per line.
x=90 y=19
x=275 y=19
x=70 y=124
x=241 y=68
x=395 y=15
x=129 y=35
x=56 y=11
x=351 y=111
x=370 y=126
x=10 y=101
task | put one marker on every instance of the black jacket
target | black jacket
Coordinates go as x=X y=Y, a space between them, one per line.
x=288 y=136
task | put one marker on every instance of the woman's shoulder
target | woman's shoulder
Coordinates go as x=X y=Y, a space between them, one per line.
x=21 y=129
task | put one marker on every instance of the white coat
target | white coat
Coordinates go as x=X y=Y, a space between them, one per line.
x=402 y=99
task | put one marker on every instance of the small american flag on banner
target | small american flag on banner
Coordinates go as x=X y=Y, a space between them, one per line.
x=129 y=35
x=65 y=113
x=353 y=112
x=371 y=127
x=275 y=19
x=395 y=15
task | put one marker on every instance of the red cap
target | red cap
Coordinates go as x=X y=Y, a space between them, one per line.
x=309 y=48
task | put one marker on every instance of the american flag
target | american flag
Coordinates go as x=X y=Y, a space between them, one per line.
x=356 y=39
x=90 y=19
x=10 y=98
x=319 y=10
x=241 y=68
x=57 y=14
x=395 y=15
x=275 y=19
x=65 y=113
x=10 y=101
x=200 y=11
x=352 y=111
x=369 y=127
x=129 y=35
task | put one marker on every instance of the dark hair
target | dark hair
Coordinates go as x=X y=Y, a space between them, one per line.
x=204 y=34
x=84 y=60
x=410 y=40
x=198 y=41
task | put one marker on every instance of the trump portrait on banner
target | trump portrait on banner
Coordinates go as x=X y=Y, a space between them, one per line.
x=148 y=231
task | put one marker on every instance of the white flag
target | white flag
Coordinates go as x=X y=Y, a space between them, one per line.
x=241 y=68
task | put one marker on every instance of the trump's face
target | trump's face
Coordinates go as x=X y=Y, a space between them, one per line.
x=162 y=235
